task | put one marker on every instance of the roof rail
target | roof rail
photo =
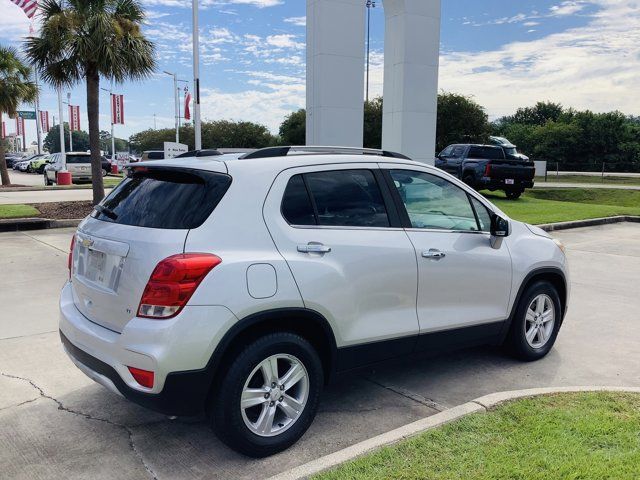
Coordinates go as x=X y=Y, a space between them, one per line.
x=271 y=152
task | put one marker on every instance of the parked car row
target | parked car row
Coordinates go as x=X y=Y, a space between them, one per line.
x=78 y=163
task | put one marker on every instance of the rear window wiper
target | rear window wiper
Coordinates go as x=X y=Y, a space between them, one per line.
x=106 y=212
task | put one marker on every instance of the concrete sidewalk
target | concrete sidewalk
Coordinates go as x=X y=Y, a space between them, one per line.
x=56 y=423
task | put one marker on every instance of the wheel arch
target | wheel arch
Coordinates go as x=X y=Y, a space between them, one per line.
x=309 y=324
x=553 y=275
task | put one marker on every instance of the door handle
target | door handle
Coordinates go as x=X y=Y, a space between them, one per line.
x=434 y=254
x=314 y=248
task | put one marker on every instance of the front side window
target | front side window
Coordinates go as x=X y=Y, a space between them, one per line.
x=484 y=217
x=337 y=198
x=434 y=203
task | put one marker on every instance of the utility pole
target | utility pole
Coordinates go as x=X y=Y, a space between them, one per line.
x=370 y=4
x=197 y=128
x=155 y=127
x=70 y=131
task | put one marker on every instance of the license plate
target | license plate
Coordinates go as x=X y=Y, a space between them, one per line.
x=509 y=181
x=96 y=265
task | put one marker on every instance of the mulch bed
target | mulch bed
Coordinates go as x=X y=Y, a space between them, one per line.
x=64 y=210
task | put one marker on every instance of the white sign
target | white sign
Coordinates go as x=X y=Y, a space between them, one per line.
x=172 y=149
x=541 y=168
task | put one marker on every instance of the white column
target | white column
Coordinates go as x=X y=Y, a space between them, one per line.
x=411 y=55
x=335 y=72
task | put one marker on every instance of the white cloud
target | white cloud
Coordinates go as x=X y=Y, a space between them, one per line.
x=14 y=24
x=258 y=3
x=298 y=21
x=567 y=8
x=284 y=40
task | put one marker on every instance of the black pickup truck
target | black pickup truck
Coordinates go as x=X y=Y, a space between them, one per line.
x=486 y=167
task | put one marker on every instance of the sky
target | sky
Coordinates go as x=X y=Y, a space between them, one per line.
x=505 y=54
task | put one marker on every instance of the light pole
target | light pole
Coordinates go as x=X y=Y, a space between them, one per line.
x=113 y=139
x=61 y=128
x=197 y=129
x=176 y=101
x=370 y=4
x=70 y=113
x=155 y=127
x=38 y=119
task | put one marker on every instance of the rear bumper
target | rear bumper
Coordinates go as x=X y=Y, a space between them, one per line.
x=178 y=351
x=184 y=393
x=500 y=184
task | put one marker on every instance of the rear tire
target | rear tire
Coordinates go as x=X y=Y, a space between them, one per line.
x=290 y=405
x=513 y=194
x=535 y=325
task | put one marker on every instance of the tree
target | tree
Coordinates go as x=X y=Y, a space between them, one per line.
x=460 y=120
x=16 y=87
x=51 y=142
x=539 y=114
x=87 y=39
x=218 y=134
x=373 y=123
x=293 y=131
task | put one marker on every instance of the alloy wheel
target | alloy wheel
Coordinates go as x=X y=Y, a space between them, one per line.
x=274 y=395
x=540 y=321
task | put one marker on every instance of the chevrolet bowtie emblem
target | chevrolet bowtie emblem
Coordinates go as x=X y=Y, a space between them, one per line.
x=87 y=242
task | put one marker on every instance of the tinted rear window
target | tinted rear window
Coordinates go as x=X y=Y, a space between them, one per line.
x=164 y=198
x=297 y=208
x=78 y=158
x=488 y=153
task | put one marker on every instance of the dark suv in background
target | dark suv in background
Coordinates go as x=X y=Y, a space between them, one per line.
x=487 y=167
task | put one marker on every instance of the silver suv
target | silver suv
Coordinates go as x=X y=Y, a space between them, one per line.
x=240 y=286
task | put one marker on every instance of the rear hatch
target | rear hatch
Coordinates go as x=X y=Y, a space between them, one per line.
x=145 y=219
x=79 y=164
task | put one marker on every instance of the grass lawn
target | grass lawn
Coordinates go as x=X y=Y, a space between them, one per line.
x=110 y=181
x=560 y=205
x=18 y=211
x=551 y=178
x=567 y=436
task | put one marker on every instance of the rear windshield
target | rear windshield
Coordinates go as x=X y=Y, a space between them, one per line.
x=168 y=198
x=489 y=153
x=78 y=158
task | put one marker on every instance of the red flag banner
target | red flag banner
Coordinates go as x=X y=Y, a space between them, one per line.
x=117 y=108
x=29 y=7
x=74 y=118
x=44 y=121
x=187 y=105
x=19 y=126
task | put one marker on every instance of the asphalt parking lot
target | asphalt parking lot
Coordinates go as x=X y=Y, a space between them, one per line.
x=56 y=423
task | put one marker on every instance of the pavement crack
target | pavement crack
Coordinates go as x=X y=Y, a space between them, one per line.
x=126 y=428
x=20 y=404
x=45 y=243
x=427 y=402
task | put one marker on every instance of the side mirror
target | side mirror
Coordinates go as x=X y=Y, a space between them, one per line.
x=500 y=227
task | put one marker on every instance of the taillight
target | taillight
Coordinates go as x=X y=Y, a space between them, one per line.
x=487 y=170
x=173 y=282
x=143 y=377
x=70 y=260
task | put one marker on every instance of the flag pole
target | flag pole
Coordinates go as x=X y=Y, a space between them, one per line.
x=196 y=78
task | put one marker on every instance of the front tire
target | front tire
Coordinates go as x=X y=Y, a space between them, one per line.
x=47 y=182
x=269 y=395
x=536 y=322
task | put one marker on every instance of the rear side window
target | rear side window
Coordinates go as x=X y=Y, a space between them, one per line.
x=164 y=198
x=296 y=204
x=340 y=198
x=78 y=158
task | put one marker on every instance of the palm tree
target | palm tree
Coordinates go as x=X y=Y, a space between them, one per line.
x=89 y=39
x=16 y=87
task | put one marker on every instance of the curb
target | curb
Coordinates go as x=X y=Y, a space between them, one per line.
x=480 y=404
x=591 y=222
x=23 y=224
